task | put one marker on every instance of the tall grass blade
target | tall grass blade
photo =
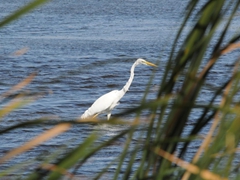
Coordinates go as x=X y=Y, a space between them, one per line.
x=58 y=129
x=30 y=6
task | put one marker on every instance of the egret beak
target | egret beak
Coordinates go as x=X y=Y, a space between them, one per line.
x=150 y=64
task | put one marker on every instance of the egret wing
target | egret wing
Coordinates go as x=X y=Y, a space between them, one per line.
x=105 y=103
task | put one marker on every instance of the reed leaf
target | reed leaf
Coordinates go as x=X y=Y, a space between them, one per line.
x=20 y=12
x=160 y=148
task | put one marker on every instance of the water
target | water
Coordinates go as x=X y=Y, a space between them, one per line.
x=81 y=50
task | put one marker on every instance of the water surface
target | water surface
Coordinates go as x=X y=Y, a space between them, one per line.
x=81 y=50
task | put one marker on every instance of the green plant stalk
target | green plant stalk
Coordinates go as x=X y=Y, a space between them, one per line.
x=128 y=171
x=99 y=175
x=30 y=6
x=98 y=148
x=149 y=132
x=175 y=116
x=124 y=153
x=164 y=83
x=15 y=168
x=72 y=158
x=187 y=95
x=227 y=171
x=218 y=144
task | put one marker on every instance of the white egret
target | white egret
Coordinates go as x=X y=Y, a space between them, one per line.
x=107 y=102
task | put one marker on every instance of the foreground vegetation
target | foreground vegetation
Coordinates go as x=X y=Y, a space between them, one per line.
x=162 y=146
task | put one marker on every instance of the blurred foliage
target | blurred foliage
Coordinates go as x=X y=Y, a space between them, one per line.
x=162 y=144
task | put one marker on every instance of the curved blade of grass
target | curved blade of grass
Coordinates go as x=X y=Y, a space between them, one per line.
x=14 y=104
x=95 y=150
x=58 y=129
x=223 y=34
x=189 y=10
x=205 y=174
x=99 y=175
x=16 y=167
x=193 y=53
x=30 y=6
x=73 y=157
x=204 y=119
x=19 y=86
x=209 y=136
x=17 y=102
x=20 y=51
x=123 y=155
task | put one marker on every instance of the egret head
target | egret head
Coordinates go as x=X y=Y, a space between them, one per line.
x=143 y=61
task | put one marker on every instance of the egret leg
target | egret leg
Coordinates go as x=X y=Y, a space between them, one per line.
x=109 y=115
x=95 y=115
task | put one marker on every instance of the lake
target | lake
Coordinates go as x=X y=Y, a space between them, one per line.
x=81 y=50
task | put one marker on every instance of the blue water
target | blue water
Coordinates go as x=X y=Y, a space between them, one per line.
x=81 y=50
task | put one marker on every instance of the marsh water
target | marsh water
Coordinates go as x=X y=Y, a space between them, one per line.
x=81 y=50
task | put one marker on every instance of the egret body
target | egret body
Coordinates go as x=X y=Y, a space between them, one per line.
x=108 y=101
